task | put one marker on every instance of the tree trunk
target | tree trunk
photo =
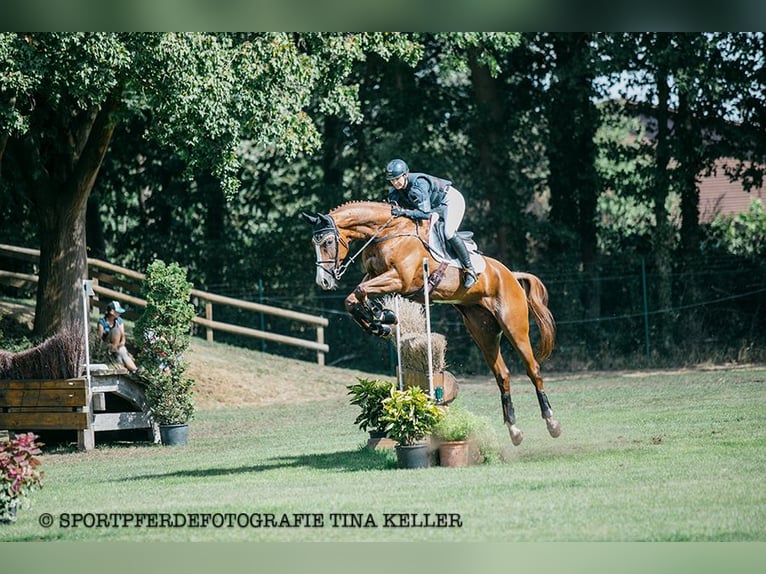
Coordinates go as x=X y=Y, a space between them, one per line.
x=690 y=163
x=59 y=190
x=574 y=182
x=94 y=230
x=505 y=207
x=662 y=236
x=3 y=144
x=215 y=230
x=63 y=265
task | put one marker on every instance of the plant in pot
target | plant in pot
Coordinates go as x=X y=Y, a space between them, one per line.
x=452 y=434
x=164 y=330
x=368 y=395
x=410 y=415
x=20 y=474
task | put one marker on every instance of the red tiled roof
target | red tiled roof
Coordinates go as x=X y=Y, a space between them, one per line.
x=719 y=195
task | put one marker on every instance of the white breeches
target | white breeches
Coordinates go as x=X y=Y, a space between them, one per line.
x=454 y=209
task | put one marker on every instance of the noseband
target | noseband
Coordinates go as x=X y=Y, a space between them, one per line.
x=338 y=268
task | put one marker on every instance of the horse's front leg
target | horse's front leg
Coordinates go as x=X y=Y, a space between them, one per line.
x=374 y=321
x=360 y=310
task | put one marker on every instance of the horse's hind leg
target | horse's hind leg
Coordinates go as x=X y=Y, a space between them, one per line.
x=518 y=334
x=486 y=334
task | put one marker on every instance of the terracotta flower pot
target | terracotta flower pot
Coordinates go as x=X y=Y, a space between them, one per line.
x=453 y=453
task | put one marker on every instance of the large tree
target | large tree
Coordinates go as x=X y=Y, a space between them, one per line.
x=692 y=93
x=63 y=95
x=573 y=180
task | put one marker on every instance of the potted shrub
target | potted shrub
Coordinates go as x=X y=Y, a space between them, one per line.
x=410 y=415
x=164 y=330
x=452 y=434
x=368 y=395
x=19 y=473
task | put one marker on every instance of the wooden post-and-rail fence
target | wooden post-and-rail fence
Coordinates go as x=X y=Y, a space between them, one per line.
x=103 y=272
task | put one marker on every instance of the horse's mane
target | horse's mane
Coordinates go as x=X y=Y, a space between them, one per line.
x=361 y=203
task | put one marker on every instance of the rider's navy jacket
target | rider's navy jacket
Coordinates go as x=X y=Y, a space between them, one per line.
x=422 y=195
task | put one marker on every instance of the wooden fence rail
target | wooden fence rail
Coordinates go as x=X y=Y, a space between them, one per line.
x=102 y=271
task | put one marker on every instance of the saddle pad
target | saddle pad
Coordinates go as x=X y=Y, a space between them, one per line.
x=436 y=242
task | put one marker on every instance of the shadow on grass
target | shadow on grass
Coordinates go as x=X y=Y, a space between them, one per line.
x=346 y=461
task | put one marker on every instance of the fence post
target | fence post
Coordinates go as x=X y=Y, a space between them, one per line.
x=320 y=340
x=209 y=317
x=646 y=306
x=263 y=317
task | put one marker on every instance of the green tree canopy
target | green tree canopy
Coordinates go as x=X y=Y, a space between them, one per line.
x=62 y=96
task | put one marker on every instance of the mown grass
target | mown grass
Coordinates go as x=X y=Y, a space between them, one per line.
x=652 y=457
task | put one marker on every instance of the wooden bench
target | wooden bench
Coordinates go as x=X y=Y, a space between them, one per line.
x=44 y=404
x=68 y=404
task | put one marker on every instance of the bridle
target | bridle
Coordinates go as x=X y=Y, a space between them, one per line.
x=340 y=267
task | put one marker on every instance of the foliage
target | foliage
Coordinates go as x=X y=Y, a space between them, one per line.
x=304 y=121
x=14 y=336
x=409 y=415
x=457 y=424
x=63 y=95
x=368 y=395
x=163 y=332
x=19 y=472
x=743 y=234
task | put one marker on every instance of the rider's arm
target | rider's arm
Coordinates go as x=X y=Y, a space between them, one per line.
x=420 y=195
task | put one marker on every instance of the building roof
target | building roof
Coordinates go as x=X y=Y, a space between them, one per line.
x=718 y=195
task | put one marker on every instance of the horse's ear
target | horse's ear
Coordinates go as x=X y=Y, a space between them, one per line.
x=327 y=219
x=309 y=218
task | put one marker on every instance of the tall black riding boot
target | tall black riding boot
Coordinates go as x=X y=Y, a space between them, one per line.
x=465 y=260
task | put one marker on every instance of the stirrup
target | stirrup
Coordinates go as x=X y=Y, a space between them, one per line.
x=470 y=278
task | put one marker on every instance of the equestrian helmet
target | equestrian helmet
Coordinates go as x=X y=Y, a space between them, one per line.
x=395 y=168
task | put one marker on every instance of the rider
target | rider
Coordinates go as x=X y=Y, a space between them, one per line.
x=417 y=195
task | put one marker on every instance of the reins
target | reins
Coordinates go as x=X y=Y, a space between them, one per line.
x=339 y=270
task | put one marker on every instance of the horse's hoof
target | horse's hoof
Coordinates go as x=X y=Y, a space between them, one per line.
x=516 y=435
x=554 y=427
x=387 y=317
x=382 y=331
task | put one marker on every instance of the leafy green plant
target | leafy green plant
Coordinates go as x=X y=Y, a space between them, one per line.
x=743 y=234
x=457 y=424
x=20 y=475
x=490 y=448
x=164 y=333
x=409 y=415
x=368 y=395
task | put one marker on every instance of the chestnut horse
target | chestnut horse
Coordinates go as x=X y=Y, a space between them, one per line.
x=392 y=256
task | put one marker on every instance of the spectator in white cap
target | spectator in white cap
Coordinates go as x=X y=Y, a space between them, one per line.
x=111 y=330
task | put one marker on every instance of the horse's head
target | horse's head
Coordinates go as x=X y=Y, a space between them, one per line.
x=330 y=249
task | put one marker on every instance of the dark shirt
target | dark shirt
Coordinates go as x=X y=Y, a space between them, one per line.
x=423 y=195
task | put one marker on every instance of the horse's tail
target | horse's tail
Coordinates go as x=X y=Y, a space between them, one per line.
x=537 y=301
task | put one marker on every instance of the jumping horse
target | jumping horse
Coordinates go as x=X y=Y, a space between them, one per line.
x=392 y=257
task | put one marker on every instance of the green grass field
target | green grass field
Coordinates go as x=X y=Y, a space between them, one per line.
x=643 y=457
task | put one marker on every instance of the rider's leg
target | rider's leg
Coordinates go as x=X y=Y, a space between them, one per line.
x=465 y=260
x=453 y=216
